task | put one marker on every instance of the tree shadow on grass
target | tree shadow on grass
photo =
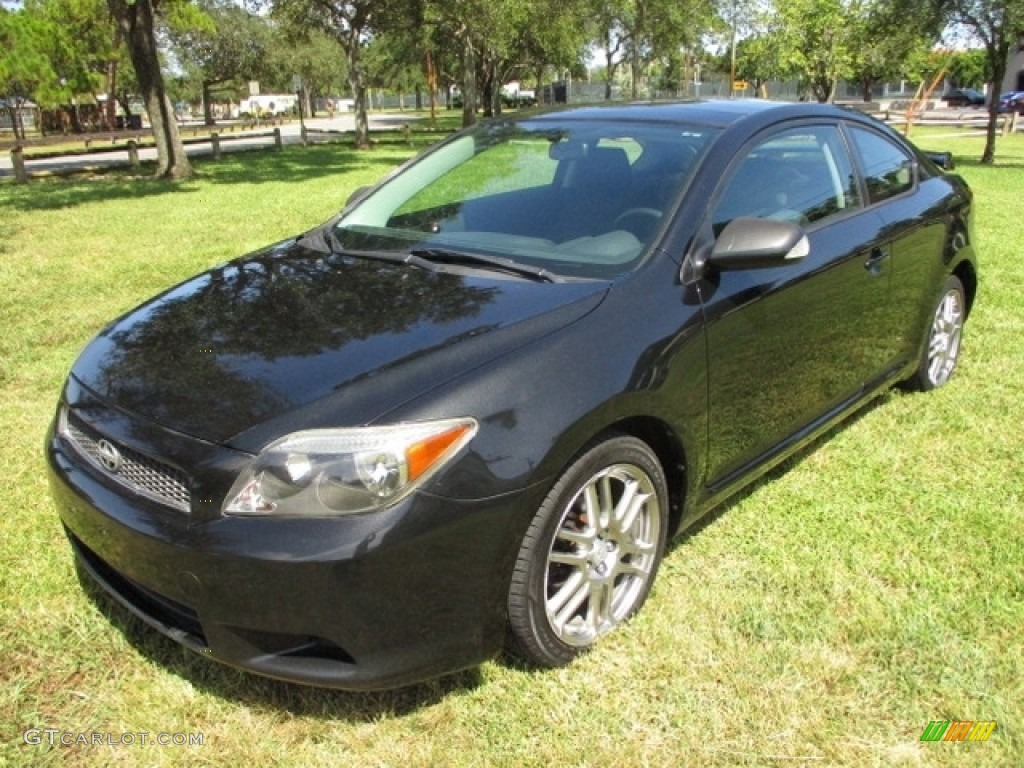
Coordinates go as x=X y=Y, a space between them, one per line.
x=293 y=164
x=264 y=694
x=1000 y=164
x=101 y=186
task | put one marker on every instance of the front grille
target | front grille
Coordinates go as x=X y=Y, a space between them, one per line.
x=128 y=467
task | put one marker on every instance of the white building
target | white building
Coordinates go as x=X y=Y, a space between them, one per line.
x=267 y=104
x=1014 y=79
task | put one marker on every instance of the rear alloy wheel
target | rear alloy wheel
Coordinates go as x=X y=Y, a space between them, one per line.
x=591 y=553
x=943 y=347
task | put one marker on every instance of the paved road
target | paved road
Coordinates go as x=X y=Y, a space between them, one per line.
x=290 y=134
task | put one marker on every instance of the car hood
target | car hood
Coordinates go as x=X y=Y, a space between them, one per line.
x=335 y=339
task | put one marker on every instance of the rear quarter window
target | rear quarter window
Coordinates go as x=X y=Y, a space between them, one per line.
x=888 y=168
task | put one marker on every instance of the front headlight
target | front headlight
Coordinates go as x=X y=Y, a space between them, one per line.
x=344 y=471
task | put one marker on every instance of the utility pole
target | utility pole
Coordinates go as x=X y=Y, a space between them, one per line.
x=732 y=53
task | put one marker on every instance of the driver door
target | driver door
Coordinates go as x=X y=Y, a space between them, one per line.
x=789 y=346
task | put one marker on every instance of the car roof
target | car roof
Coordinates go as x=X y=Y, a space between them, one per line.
x=719 y=113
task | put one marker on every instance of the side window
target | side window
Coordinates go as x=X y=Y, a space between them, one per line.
x=888 y=169
x=802 y=174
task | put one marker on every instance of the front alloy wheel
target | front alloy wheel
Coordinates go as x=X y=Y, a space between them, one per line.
x=591 y=553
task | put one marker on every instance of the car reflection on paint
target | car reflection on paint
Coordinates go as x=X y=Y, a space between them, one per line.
x=468 y=412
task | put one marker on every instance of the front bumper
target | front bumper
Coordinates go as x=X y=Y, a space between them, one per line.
x=359 y=602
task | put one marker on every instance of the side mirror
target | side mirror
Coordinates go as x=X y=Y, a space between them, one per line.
x=942 y=159
x=752 y=243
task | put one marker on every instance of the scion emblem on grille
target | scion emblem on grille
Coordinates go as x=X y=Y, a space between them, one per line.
x=108 y=456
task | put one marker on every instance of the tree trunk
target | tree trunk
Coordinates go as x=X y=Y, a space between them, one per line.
x=487 y=91
x=821 y=86
x=432 y=85
x=76 y=119
x=137 y=22
x=468 y=85
x=15 y=114
x=998 y=54
x=207 y=105
x=110 y=107
x=126 y=107
x=496 y=83
x=634 y=68
x=988 y=156
x=357 y=84
x=609 y=65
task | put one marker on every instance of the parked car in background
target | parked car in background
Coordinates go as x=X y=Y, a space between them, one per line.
x=964 y=97
x=1012 y=101
x=471 y=409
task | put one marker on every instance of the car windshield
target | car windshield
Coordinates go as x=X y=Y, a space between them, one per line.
x=572 y=198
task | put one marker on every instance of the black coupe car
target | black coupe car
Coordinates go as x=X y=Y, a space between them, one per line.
x=964 y=97
x=469 y=410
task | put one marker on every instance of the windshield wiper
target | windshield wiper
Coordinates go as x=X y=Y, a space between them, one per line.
x=449 y=256
x=435 y=259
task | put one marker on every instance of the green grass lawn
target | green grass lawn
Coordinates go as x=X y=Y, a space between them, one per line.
x=824 y=618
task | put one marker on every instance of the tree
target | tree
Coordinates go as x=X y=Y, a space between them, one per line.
x=969 y=69
x=234 y=45
x=85 y=50
x=646 y=33
x=350 y=23
x=316 y=57
x=137 y=22
x=815 y=38
x=614 y=22
x=395 y=61
x=758 y=60
x=673 y=26
x=553 y=36
x=484 y=34
x=999 y=25
x=886 y=38
x=24 y=66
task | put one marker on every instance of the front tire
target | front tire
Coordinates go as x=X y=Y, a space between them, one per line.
x=942 y=349
x=590 y=555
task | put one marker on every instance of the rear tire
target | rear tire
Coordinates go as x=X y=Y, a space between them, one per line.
x=590 y=555
x=942 y=348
